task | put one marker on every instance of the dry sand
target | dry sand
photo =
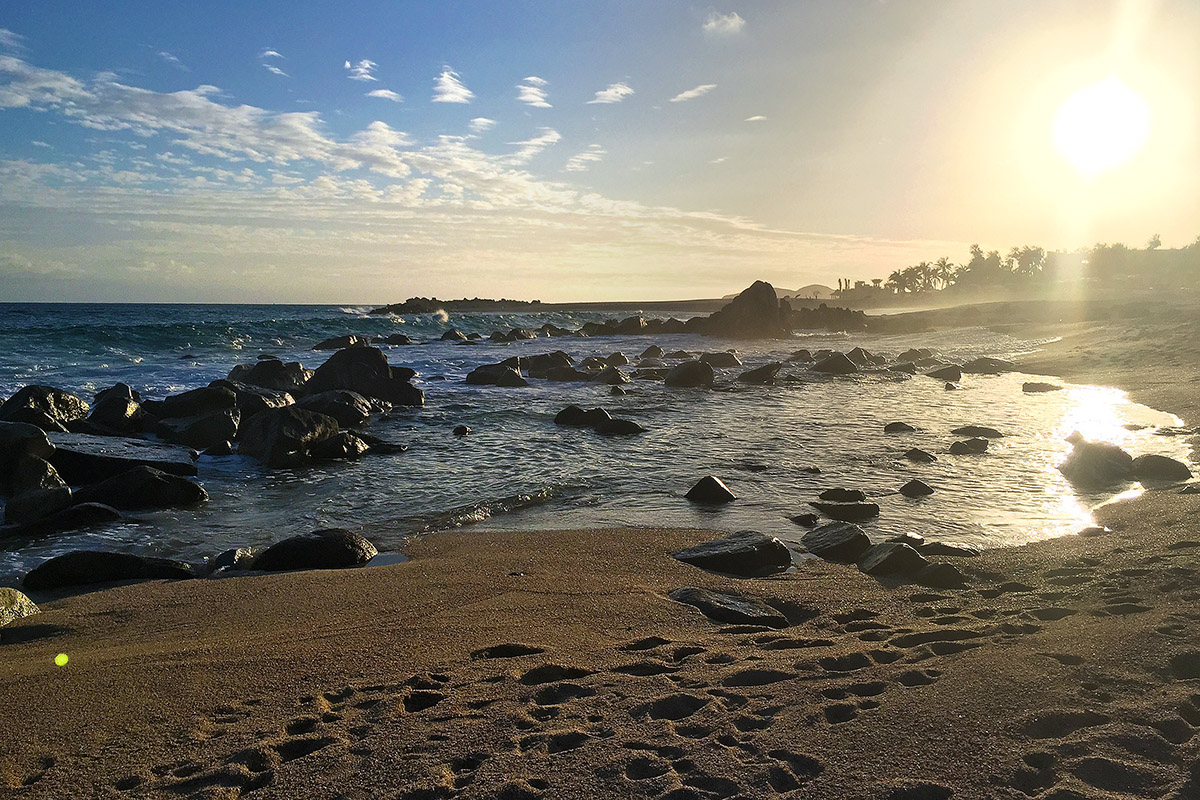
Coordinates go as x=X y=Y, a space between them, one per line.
x=1068 y=669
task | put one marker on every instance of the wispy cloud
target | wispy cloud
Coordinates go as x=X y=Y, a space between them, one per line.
x=267 y=52
x=447 y=88
x=10 y=40
x=756 y=118
x=692 y=94
x=720 y=160
x=40 y=143
x=723 y=24
x=172 y=59
x=362 y=70
x=531 y=147
x=274 y=70
x=386 y=94
x=615 y=93
x=481 y=124
x=532 y=92
x=581 y=162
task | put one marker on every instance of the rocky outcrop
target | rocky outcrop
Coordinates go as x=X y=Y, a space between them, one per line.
x=711 y=490
x=969 y=447
x=204 y=400
x=756 y=313
x=31 y=506
x=333 y=548
x=272 y=373
x=251 y=399
x=341 y=342
x=690 y=374
x=282 y=437
x=835 y=364
x=761 y=375
x=143 y=487
x=920 y=456
x=496 y=375
x=365 y=370
x=747 y=553
x=721 y=360
x=916 y=488
x=84 y=567
x=44 y=406
x=81 y=458
x=952 y=374
x=343 y=445
x=978 y=431
x=201 y=431
x=350 y=409
x=32 y=474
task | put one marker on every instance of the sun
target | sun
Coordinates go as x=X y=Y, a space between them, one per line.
x=1102 y=126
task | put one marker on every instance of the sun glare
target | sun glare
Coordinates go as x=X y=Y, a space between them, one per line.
x=1102 y=126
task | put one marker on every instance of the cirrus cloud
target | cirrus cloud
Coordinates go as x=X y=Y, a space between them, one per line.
x=692 y=94
x=716 y=24
x=615 y=93
x=448 y=88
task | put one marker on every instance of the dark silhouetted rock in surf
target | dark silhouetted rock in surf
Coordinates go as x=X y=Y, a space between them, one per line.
x=847 y=512
x=252 y=399
x=840 y=495
x=1156 y=468
x=837 y=541
x=915 y=354
x=898 y=427
x=340 y=342
x=122 y=390
x=573 y=416
x=1096 y=464
x=730 y=608
x=86 y=567
x=120 y=415
x=678 y=354
x=325 y=549
x=80 y=458
x=916 y=488
x=617 y=360
x=948 y=549
x=143 y=487
x=44 y=406
x=462 y=430
x=282 y=437
x=342 y=445
x=653 y=351
x=196 y=402
x=756 y=313
x=806 y=520
x=1037 y=387
x=835 y=364
x=395 y=339
x=747 y=553
x=29 y=474
x=690 y=374
x=619 y=427
x=891 y=558
x=611 y=376
x=34 y=505
x=969 y=447
x=920 y=456
x=721 y=360
x=951 y=374
x=365 y=370
x=495 y=375
x=978 y=431
x=906 y=367
x=453 y=335
x=986 y=365
x=273 y=374
x=710 y=489
x=350 y=409
x=18 y=440
x=201 y=431
x=219 y=449
x=761 y=375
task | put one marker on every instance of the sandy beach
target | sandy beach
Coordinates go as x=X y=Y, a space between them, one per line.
x=553 y=664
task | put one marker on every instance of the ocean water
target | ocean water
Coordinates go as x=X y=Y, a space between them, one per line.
x=519 y=470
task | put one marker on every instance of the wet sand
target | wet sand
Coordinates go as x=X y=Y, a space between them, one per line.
x=1068 y=668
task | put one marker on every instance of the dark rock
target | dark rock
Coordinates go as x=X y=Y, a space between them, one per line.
x=940 y=576
x=756 y=313
x=617 y=360
x=121 y=390
x=986 y=365
x=649 y=374
x=201 y=431
x=325 y=549
x=898 y=427
x=36 y=504
x=837 y=541
x=252 y=399
x=801 y=355
x=847 y=512
x=453 y=335
x=1155 y=468
x=611 y=376
x=617 y=391
x=690 y=374
x=806 y=520
x=730 y=608
x=80 y=458
x=678 y=354
x=913 y=540
x=891 y=558
x=14 y=606
x=365 y=370
x=492 y=374
x=631 y=325
x=381 y=446
x=339 y=446
x=915 y=354
x=920 y=456
x=969 y=447
x=43 y=406
x=573 y=416
x=1191 y=488
x=31 y=474
x=978 y=431
x=1096 y=464
x=566 y=374
x=238 y=558
x=835 y=364
x=1034 y=387
x=143 y=487
x=220 y=449
x=273 y=374
x=951 y=387
x=710 y=489
x=75 y=517
x=906 y=367
x=948 y=549
x=462 y=430
x=761 y=375
x=511 y=379
x=952 y=374
x=83 y=567
x=916 y=488
x=339 y=342
x=18 y=440
x=721 y=360
x=746 y=553
x=619 y=427
x=395 y=338
x=840 y=495
x=539 y=365
x=282 y=437
x=350 y=409
x=593 y=364
x=653 y=351
x=118 y=414
x=196 y=402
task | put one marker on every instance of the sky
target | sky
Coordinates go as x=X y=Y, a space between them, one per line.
x=366 y=152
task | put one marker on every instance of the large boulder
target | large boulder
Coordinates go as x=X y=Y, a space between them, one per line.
x=611 y=376
x=1096 y=464
x=31 y=474
x=81 y=458
x=342 y=445
x=978 y=431
x=710 y=489
x=118 y=414
x=841 y=495
x=747 y=553
x=951 y=373
x=847 y=512
x=44 y=406
x=761 y=375
x=365 y=370
x=539 y=365
x=891 y=558
x=20 y=441
x=350 y=409
x=618 y=427
x=898 y=427
x=920 y=456
x=74 y=517
x=325 y=549
x=204 y=400
x=969 y=447
x=282 y=437
x=916 y=488
x=690 y=374
x=340 y=342
x=143 y=487
x=35 y=505
x=835 y=364
x=837 y=541
x=988 y=366
x=14 y=606
x=201 y=431
x=1039 y=387
x=272 y=373
x=252 y=399
x=721 y=360
x=730 y=608
x=756 y=313
x=83 y=567
x=122 y=390
x=1160 y=469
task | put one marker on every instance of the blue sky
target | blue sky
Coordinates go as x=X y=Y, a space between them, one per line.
x=369 y=151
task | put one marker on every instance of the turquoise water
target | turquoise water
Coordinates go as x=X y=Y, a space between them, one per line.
x=519 y=470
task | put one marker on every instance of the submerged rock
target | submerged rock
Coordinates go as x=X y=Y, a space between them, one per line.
x=710 y=489
x=978 y=431
x=730 y=608
x=916 y=488
x=847 y=512
x=969 y=447
x=334 y=548
x=837 y=541
x=341 y=445
x=84 y=567
x=920 y=456
x=840 y=495
x=988 y=366
x=898 y=427
x=746 y=553
x=761 y=375
x=1035 y=387
x=805 y=520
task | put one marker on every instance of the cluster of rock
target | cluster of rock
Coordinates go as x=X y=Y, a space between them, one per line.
x=324 y=549
x=598 y=420
x=902 y=557
x=1097 y=465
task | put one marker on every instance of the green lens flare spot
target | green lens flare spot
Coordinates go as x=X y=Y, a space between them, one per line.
x=60 y=660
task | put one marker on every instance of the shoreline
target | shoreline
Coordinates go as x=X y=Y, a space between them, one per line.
x=1034 y=680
